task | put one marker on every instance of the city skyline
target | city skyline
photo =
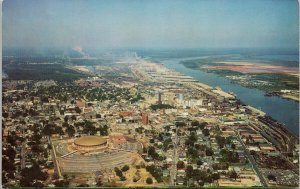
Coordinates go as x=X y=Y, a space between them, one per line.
x=133 y=94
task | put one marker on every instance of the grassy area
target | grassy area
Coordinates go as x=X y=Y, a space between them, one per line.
x=56 y=72
x=196 y=64
x=267 y=82
x=161 y=106
x=90 y=62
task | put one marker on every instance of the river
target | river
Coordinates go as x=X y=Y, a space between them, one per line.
x=283 y=110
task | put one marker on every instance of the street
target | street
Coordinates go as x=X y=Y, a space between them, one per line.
x=253 y=162
x=174 y=166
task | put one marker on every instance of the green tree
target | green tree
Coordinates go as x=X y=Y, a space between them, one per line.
x=65 y=124
x=193 y=137
x=48 y=130
x=220 y=166
x=205 y=132
x=9 y=152
x=199 y=162
x=61 y=112
x=122 y=178
x=180 y=165
x=215 y=176
x=221 y=141
x=89 y=128
x=189 y=171
x=99 y=183
x=5 y=114
x=33 y=173
x=195 y=123
x=8 y=165
x=180 y=124
x=192 y=152
x=149 y=180
x=203 y=125
x=233 y=146
x=152 y=152
x=118 y=172
x=232 y=174
x=155 y=172
x=209 y=152
x=103 y=130
x=271 y=177
x=125 y=168
x=61 y=183
x=59 y=130
x=36 y=149
x=73 y=117
x=229 y=156
x=66 y=118
x=77 y=110
x=70 y=131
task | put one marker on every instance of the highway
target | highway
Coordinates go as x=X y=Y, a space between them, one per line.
x=23 y=155
x=174 y=166
x=253 y=162
x=56 y=166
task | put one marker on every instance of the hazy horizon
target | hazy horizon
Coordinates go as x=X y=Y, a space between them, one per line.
x=90 y=24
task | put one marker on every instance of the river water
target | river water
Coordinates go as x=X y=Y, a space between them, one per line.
x=283 y=110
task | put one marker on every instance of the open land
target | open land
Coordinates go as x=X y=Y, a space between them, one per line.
x=158 y=128
x=274 y=80
x=246 y=69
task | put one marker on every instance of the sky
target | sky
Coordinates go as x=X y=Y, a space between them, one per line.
x=100 y=24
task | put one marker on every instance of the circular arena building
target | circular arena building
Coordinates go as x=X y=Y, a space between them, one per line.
x=90 y=143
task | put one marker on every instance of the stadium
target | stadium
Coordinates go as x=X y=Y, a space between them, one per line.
x=90 y=144
x=96 y=153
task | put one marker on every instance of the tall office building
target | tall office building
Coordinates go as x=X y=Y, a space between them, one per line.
x=159 y=101
x=145 y=118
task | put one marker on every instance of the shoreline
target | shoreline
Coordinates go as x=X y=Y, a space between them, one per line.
x=209 y=89
x=289 y=97
x=243 y=93
x=283 y=96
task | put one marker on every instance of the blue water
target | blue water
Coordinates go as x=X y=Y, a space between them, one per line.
x=285 y=111
x=283 y=57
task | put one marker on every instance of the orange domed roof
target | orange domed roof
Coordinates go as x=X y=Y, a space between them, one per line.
x=90 y=141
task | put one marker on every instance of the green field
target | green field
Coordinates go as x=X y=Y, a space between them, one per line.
x=56 y=72
x=267 y=82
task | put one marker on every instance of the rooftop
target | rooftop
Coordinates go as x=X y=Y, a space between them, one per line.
x=90 y=141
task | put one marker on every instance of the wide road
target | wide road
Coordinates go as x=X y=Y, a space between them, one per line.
x=253 y=162
x=23 y=155
x=174 y=166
